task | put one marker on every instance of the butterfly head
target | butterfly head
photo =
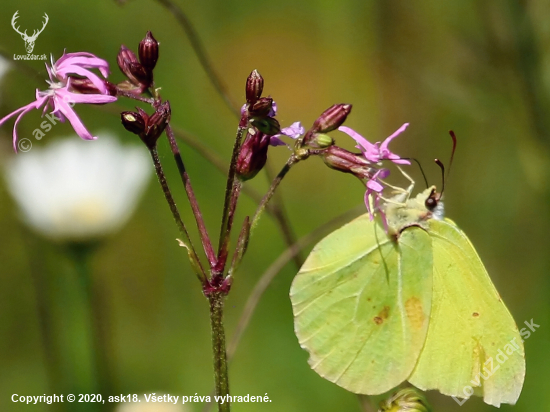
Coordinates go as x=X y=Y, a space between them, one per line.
x=415 y=211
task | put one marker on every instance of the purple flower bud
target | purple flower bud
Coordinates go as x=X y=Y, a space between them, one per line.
x=148 y=128
x=261 y=108
x=86 y=86
x=157 y=123
x=139 y=75
x=124 y=58
x=344 y=161
x=133 y=122
x=133 y=70
x=254 y=87
x=253 y=154
x=148 y=52
x=332 y=118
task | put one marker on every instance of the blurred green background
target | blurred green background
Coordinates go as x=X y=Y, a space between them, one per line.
x=479 y=68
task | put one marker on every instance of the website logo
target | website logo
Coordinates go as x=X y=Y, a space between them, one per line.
x=29 y=40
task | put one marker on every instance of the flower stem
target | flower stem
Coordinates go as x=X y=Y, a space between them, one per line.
x=195 y=262
x=205 y=239
x=232 y=192
x=81 y=253
x=218 y=350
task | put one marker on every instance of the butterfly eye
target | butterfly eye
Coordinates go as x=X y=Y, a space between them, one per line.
x=432 y=200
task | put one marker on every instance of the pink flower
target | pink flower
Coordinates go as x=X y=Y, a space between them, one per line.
x=294 y=131
x=61 y=96
x=377 y=151
x=374 y=189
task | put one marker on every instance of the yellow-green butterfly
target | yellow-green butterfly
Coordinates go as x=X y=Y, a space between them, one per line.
x=374 y=309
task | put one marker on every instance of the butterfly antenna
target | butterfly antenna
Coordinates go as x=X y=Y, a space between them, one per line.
x=420 y=166
x=453 y=136
x=442 y=167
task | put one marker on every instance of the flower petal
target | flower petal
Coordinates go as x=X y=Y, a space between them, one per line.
x=371 y=151
x=69 y=61
x=76 y=123
x=40 y=100
x=294 y=131
x=275 y=141
x=385 y=153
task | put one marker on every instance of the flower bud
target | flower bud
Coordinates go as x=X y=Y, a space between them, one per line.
x=133 y=122
x=133 y=70
x=148 y=52
x=344 y=161
x=332 y=118
x=139 y=75
x=405 y=400
x=124 y=58
x=254 y=87
x=157 y=123
x=321 y=141
x=253 y=154
x=86 y=86
x=148 y=128
x=261 y=108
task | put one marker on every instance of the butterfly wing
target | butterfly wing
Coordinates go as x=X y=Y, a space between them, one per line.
x=473 y=344
x=361 y=304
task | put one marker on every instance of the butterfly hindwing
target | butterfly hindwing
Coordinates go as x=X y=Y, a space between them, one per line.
x=473 y=344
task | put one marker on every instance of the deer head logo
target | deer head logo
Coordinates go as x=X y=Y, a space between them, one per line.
x=29 y=40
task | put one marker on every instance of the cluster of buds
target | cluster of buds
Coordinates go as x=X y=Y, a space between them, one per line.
x=263 y=130
x=148 y=128
x=259 y=111
x=258 y=115
x=139 y=73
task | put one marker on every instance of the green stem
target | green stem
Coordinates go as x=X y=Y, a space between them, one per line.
x=100 y=376
x=216 y=301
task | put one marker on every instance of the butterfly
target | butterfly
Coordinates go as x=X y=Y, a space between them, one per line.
x=376 y=305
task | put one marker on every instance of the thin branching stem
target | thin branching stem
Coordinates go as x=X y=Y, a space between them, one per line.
x=232 y=192
x=195 y=262
x=205 y=239
x=201 y=53
x=267 y=197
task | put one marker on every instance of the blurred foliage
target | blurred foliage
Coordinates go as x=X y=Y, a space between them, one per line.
x=479 y=68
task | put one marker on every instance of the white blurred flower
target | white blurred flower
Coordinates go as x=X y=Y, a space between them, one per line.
x=4 y=68
x=78 y=190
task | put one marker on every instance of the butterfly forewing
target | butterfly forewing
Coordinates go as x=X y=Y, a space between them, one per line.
x=361 y=304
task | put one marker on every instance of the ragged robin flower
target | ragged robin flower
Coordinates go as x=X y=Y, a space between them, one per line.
x=61 y=96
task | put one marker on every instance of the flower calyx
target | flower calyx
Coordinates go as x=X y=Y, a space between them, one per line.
x=148 y=128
